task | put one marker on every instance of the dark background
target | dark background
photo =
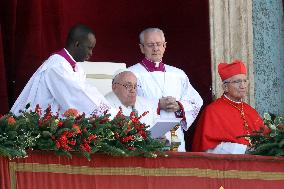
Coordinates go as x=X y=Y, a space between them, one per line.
x=30 y=30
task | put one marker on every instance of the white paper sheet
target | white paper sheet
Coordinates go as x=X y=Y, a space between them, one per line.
x=162 y=126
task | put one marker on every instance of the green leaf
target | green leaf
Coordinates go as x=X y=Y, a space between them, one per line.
x=267 y=116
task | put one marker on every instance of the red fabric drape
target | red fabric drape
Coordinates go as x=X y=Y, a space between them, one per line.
x=32 y=30
x=3 y=88
x=181 y=170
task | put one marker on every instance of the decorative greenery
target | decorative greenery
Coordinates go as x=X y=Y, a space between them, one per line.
x=121 y=136
x=270 y=139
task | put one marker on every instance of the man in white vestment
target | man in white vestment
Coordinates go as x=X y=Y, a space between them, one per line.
x=61 y=83
x=164 y=84
x=124 y=95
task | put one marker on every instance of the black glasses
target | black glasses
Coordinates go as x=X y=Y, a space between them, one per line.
x=129 y=86
x=238 y=82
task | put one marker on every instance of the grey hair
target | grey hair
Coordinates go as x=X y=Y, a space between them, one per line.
x=119 y=73
x=150 y=30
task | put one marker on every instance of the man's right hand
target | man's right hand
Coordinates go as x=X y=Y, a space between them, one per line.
x=169 y=104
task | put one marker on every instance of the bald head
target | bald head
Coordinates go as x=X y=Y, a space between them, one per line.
x=122 y=75
x=125 y=88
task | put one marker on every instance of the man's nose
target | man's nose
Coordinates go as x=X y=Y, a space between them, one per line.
x=155 y=47
x=243 y=84
x=132 y=90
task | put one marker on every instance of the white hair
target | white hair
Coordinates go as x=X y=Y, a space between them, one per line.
x=119 y=72
x=150 y=30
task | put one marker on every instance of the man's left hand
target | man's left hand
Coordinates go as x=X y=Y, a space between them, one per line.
x=171 y=104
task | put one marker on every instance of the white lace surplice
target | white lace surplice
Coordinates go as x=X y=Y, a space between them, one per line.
x=174 y=82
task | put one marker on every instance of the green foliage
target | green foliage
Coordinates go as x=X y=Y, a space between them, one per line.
x=269 y=140
x=121 y=136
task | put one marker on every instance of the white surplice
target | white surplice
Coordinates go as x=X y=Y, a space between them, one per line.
x=56 y=84
x=174 y=82
x=228 y=148
x=141 y=105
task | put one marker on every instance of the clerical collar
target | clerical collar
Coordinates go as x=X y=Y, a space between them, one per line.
x=150 y=66
x=65 y=54
x=237 y=102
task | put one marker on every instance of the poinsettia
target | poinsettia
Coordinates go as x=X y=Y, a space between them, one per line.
x=269 y=140
x=45 y=130
x=131 y=137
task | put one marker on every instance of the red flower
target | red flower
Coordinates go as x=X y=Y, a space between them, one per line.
x=57 y=143
x=116 y=135
x=71 y=112
x=143 y=134
x=38 y=109
x=133 y=114
x=120 y=113
x=91 y=137
x=72 y=142
x=64 y=141
x=131 y=148
x=128 y=129
x=139 y=127
x=60 y=124
x=40 y=123
x=77 y=128
x=104 y=120
x=145 y=113
x=128 y=138
x=69 y=134
x=11 y=120
x=86 y=147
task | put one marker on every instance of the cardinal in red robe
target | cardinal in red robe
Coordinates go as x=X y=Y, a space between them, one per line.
x=223 y=122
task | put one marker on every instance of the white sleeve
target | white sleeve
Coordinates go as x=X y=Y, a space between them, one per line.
x=71 y=91
x=228 y=148
x=191 y=102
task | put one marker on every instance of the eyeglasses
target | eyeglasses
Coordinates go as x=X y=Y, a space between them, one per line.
x=239 y=81
x=129 y=86
x=152 y=45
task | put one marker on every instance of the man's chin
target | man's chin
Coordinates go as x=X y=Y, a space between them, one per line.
x=156 y=59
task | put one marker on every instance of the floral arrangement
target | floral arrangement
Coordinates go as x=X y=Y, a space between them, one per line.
x=270 y=139
x=121 y=136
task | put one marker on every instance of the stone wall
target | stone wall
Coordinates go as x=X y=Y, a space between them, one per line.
x=268 y=56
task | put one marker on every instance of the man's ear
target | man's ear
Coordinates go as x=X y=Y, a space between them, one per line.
x=76 y=44
x=225 y=87
x=142 y=48
x=165 y=45
x=113 y=87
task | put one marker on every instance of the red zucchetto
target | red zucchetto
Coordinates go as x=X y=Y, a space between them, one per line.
x=226 y=70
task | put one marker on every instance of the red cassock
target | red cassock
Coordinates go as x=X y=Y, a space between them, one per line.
x=221 y=121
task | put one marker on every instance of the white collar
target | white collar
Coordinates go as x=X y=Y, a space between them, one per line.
x=231 y=99
x=69 y=54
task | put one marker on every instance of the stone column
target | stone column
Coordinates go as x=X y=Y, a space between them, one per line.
x=268 y=27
